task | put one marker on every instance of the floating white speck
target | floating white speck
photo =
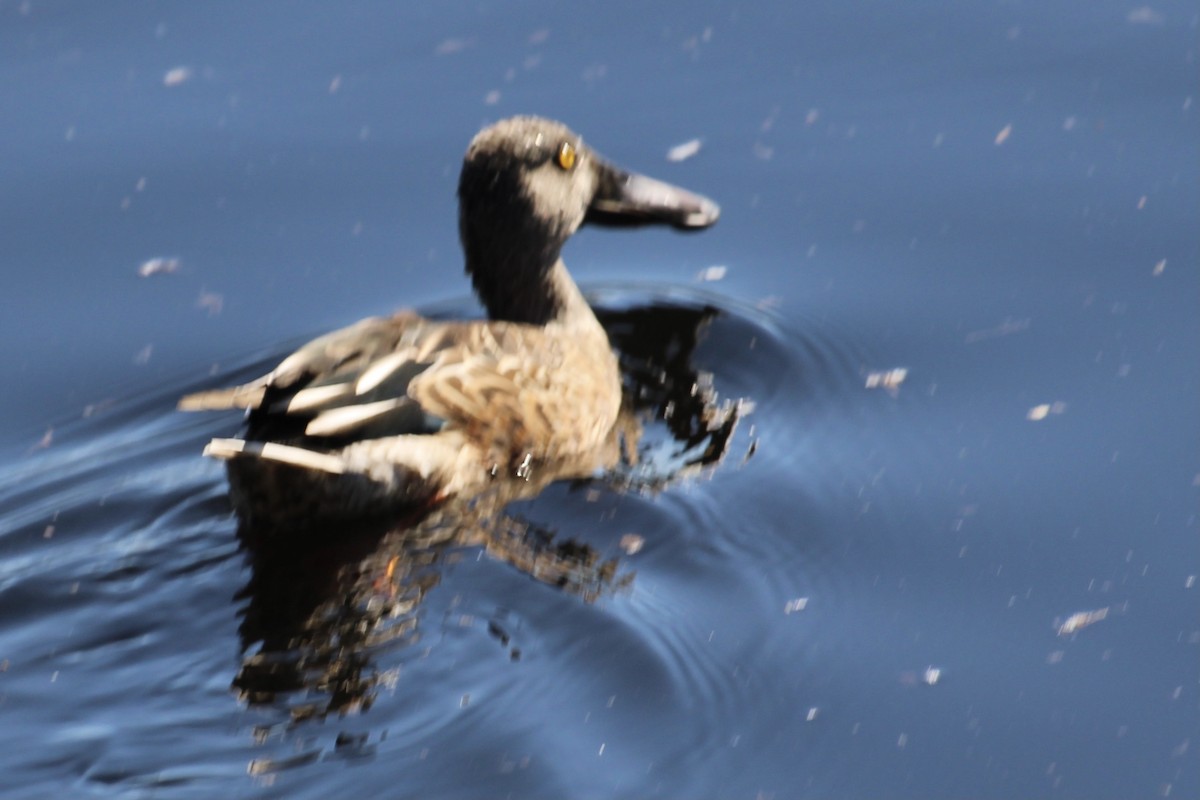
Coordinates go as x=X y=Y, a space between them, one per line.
x=1039 y=413
x=798 y=604
x=682 y=152
x=449 y=47
x=714 y=273
x=159 y=266
x=1080 y=620
x=631 y=543
x=887 y=379
x=335 y=84
x=1145 y=15
x=1160 y=267
x=1004 y=133
x=211 y=302
x=177 y=76
x=492 y=97
x=1005 y=328
x=812 y=714
x=932 y=675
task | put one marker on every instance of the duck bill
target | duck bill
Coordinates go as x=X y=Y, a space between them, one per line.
x=626 y=199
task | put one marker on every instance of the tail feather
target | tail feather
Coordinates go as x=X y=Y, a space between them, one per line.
x=226 y=449
x=248 y=396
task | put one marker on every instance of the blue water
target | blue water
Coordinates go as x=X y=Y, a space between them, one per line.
x=999 y=198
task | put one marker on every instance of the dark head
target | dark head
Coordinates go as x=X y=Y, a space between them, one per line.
x=527 y=184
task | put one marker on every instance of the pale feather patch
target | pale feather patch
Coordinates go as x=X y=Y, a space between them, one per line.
x=248 y=396
x=314 y=398
x=381 y=370
x=345 y=419
x=296 y=363
x=226 y=449
x=437 y=340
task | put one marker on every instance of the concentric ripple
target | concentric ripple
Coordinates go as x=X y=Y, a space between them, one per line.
x=665 y=606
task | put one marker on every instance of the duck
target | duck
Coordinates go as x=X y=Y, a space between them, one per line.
x=403 y=412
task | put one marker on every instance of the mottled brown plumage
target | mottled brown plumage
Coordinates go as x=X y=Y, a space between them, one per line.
x=401 y=411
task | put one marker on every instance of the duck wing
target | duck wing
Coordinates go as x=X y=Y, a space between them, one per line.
x=346 y=385
x=515 y=389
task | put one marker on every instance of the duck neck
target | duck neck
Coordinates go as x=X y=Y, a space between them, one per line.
x=535 y=289
x=512 y=248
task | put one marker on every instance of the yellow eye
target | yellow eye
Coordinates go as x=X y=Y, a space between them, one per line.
x=565 y=157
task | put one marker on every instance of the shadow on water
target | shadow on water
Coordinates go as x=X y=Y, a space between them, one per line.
x=319 y=608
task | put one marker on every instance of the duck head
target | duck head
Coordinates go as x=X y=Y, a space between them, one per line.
x=527 y=184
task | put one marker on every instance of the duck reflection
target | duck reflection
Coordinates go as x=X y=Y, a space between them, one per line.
x=316 y=615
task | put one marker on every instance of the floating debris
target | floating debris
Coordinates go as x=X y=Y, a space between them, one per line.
x=159 y=266
x=211 y=302
x=632 y=544
x=177 y=76
x=449 y=47
x=594 y=72
x=798 y=604
x=714 y=273
x=887 y=379
x=1039 y=413
x=1006 y=328
x=769 y=122
x=1004 y=133
x=41 y=444
x=1160 y=267
x=1145 y=15
x=812 y=714
x=682 y=152
x=932 y=675
x=1080 y=620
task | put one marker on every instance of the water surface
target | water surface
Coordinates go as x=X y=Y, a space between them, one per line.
x=865 y=598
